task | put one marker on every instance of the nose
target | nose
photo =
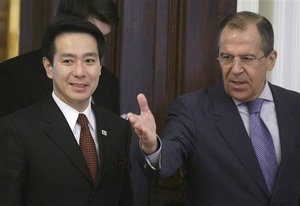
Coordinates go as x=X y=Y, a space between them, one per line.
x=236 y=65
x=79 y=70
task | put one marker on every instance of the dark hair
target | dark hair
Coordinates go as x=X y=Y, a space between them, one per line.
x=69 y=24
x=240 y=21
x=103 y=10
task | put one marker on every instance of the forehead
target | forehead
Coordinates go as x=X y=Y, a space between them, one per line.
x=235 y=39
x=77 y=41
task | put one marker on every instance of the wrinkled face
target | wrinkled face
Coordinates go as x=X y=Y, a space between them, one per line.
x=244 y=77
x=76 y=68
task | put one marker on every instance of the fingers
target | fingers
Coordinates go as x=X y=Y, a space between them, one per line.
x=144 y=108
x=143 y=104
x=133 y=118
x=135 y=123
x=143 y=123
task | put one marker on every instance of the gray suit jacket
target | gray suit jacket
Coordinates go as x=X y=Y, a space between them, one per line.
x=205 y=132
x=41 y=163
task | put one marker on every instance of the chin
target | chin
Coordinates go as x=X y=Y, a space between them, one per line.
x=238 y=96
x=80 y=97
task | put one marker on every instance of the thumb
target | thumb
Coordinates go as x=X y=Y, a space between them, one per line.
x=143 y=104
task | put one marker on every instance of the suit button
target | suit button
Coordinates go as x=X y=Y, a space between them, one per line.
x=145 y=166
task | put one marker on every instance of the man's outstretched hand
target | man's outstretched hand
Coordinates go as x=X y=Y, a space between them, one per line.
x=144 y=126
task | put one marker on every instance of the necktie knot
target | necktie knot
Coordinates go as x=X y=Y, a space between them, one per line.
x=82 y=120
x=255 y=105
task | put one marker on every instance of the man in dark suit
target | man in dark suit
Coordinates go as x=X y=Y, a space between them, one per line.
x=23 y=80
x=43 y=156
x=211 y=132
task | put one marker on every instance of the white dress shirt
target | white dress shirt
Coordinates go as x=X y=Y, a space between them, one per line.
x=71 y=116
x=268 y=115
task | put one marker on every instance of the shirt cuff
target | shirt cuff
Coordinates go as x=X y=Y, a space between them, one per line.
x=154 y=160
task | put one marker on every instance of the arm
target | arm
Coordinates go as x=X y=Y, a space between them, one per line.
x=12 y=166
x=176 y=140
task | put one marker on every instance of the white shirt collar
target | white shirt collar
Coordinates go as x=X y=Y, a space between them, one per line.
x=71 y=114
x=266 y=94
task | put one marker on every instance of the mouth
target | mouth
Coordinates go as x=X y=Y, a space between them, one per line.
x=238 y=84
x=79 y=85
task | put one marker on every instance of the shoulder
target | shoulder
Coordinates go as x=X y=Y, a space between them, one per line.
x=33 y=113
x=23 y=64
x=116 y=127
x=30 y=56
x=20 y=120
x=203 y=96
x=286 y=101
x=108 y=116
x=285 y=94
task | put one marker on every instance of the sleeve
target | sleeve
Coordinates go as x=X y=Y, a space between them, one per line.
x=154 y=160
x=12 y=165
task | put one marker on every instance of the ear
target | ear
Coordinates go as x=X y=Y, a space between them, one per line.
x=271 y=60
x=100 y=70
x=48 y=67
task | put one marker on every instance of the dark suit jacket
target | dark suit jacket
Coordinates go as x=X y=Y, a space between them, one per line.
x=41 y=163
x=23 y=81
x=205 y=131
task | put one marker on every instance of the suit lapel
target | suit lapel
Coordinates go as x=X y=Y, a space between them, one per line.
x=58 y=130
x=230 y=125
x=287 y=136
x=104 y=141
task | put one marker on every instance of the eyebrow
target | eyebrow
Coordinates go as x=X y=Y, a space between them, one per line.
x=93 y=54
x=67 y=55
x=222 y=53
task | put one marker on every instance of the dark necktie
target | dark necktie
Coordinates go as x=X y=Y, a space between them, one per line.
x=262 y=143
x=87 y=146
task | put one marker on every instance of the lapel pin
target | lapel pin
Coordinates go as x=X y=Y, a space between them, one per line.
x=104 y=132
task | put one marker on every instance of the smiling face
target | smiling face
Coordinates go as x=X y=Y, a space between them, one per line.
x=244 y=82
x=76 y=68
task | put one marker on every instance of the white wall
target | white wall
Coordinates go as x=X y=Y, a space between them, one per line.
x=285 y=17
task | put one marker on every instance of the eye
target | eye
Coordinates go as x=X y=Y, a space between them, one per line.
x=247 y=59
x=90 y=61
x=67 y=61
x=227 y=58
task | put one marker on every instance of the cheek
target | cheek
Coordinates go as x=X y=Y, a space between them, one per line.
x=59 y=74
x=97 y=73
x=257 y=74
x=225 y=72
x=95 y=76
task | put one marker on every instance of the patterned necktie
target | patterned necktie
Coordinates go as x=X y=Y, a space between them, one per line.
x=262 y=142
x=87 y=146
